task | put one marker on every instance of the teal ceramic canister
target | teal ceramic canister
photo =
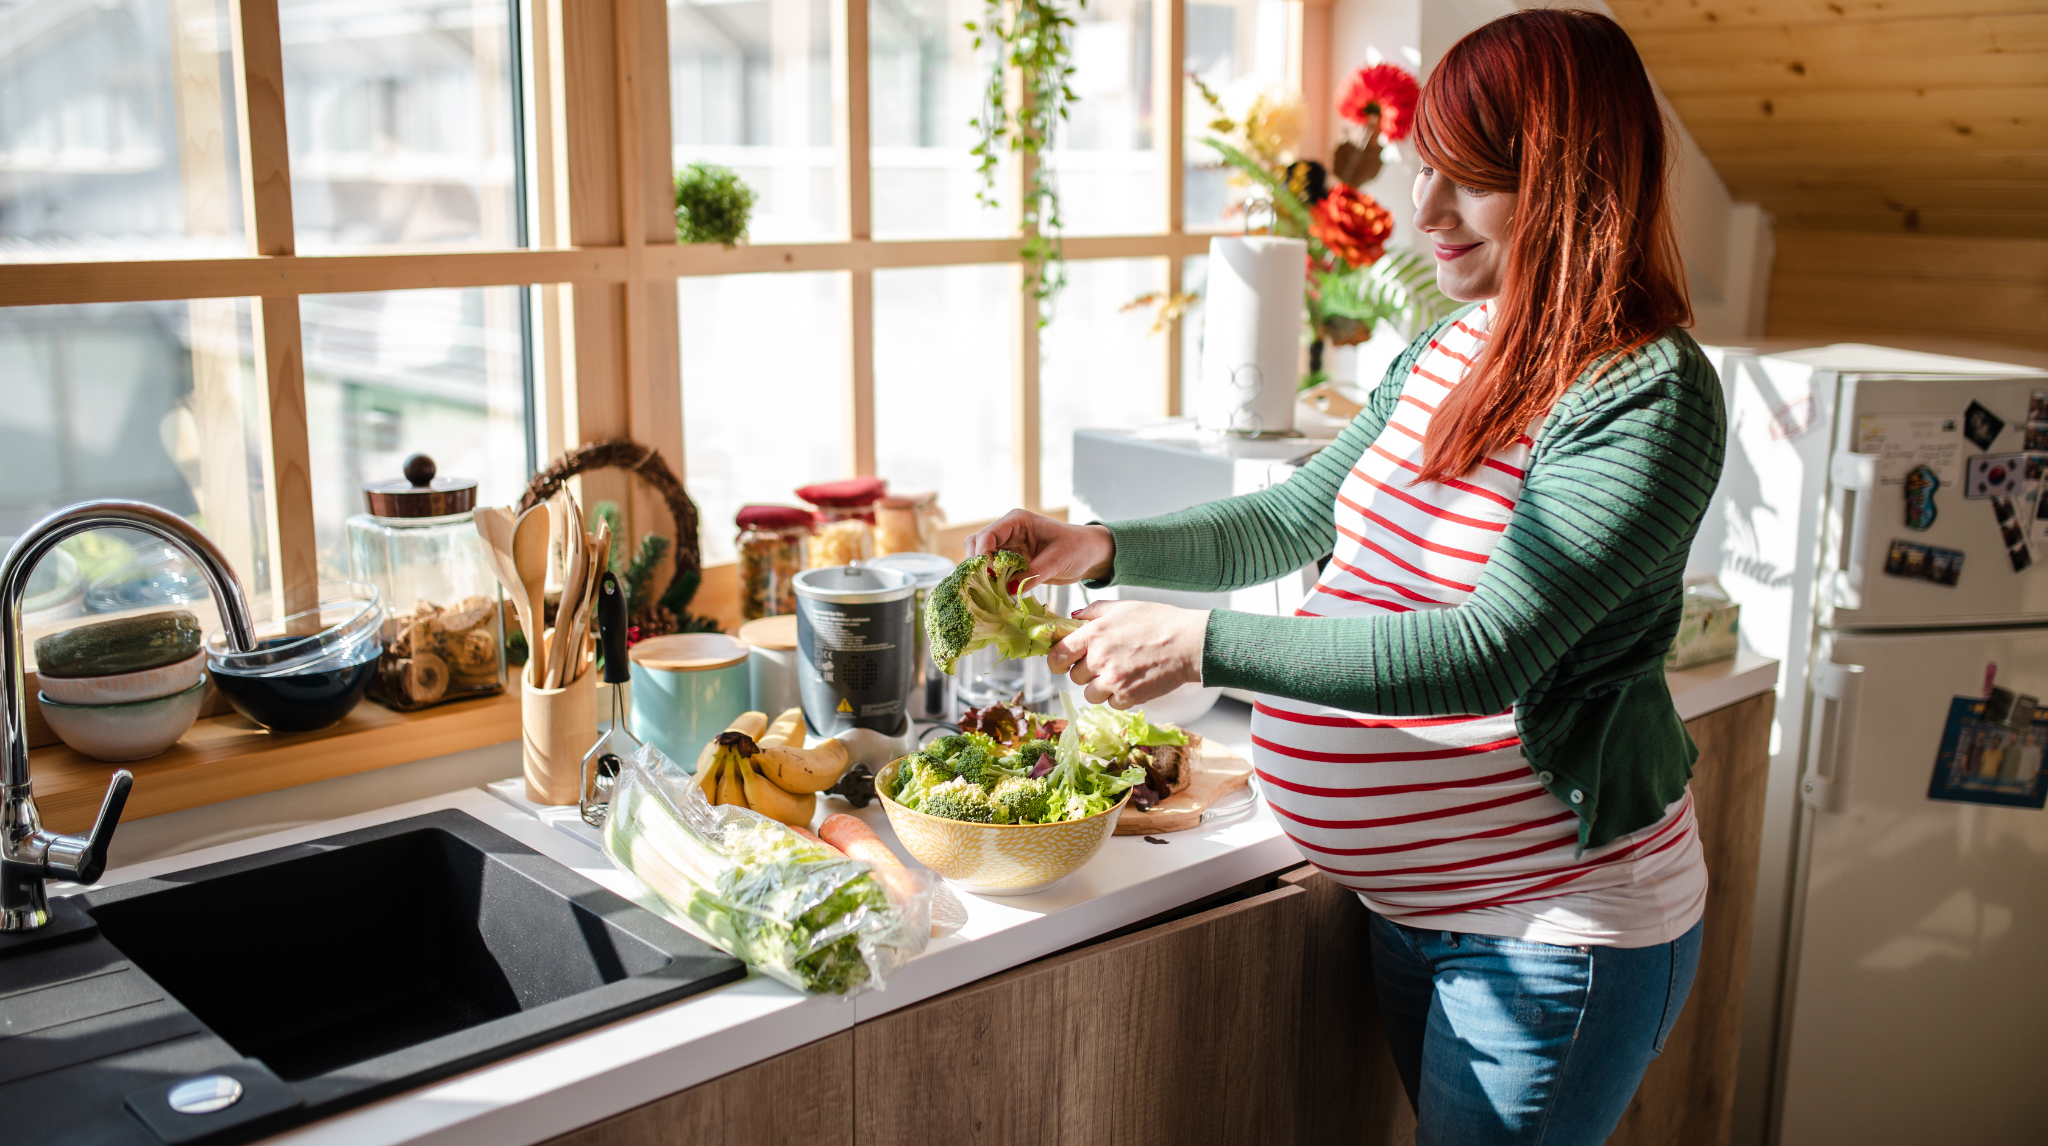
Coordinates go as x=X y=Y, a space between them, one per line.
x=686 y=688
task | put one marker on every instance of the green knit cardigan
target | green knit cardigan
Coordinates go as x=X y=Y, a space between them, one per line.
x=1569 y=623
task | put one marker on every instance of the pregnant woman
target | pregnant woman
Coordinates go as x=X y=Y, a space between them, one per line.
x=1466 y=722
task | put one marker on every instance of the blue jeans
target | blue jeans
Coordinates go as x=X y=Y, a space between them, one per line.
x=1506 y=1041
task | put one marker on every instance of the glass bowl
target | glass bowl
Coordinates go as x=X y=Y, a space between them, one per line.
x=349 y=620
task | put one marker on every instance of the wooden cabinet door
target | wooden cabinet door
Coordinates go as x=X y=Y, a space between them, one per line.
x=801 y=1098
x=1183 y=1034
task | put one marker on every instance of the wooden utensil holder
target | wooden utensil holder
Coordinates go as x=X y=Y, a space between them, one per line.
x=557 y=726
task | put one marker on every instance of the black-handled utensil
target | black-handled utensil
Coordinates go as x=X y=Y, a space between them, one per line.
x=611 y=629
x=601 y=764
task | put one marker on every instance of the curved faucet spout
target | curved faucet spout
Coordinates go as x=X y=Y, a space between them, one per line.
x=28 y=854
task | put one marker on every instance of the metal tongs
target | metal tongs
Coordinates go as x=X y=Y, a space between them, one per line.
x=600 y=769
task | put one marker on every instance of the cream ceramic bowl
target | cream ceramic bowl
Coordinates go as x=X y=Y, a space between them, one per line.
x=997 y=859
x=126 y=687
x=117 y=733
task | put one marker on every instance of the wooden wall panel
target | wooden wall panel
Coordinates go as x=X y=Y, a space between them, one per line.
x=804 y=1096
x=1181 y=1033
x=1882 y=288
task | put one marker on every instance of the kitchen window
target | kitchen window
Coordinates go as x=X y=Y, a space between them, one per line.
x=254 y=252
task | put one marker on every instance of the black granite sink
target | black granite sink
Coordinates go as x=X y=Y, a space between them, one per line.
x=318 y=977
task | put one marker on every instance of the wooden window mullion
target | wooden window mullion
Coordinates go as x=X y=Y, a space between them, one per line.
x=279 y=349
x=850 y=98
x=1169 y=113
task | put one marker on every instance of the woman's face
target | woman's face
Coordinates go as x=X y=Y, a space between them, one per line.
x=1470 y=229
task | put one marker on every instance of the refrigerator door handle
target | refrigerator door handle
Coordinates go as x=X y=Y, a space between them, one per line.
x=1839 y=687
x=1855 y=476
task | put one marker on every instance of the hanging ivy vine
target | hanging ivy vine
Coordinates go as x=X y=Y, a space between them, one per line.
x=1033 y=38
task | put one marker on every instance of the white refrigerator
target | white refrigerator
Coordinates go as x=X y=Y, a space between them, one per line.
x=1877 y=522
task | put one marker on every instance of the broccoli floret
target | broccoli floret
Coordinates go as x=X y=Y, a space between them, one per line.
x=1024 y=758
x=958 y=800
x=978 y=606
x=916 y=777
x=1020 y=801
x=981 y=763
x=945 y=746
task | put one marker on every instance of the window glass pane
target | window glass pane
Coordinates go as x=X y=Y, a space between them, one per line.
x=400 y=118
x=150 y=401
x=943 y=339
x=395 y=373
x=1108 y=171
x=924 y=87
x=758 y=423
x=751 y=88
x=1237 y=47
x=117 y=130
x=1099 y=367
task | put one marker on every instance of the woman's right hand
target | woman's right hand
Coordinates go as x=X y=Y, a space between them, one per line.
x=1060 y=553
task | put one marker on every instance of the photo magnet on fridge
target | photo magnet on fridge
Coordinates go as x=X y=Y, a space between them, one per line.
x=1994 y=475
x=2037 y=406
x=1991 y=757
x=2012 y=532
x=2037 y=435
x=1920 y=486
x=1982 y=426
x=1924 y=563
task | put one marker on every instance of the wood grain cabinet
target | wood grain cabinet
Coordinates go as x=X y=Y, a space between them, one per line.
x=1250 y=1022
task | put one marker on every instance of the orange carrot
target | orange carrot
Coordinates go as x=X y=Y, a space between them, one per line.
x=811 y=836
x=852 y=835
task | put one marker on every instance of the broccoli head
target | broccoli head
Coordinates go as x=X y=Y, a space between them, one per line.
x=1027 y=757
x=1018 y=800
x=916 y=777
x=958 y=800
x=979 y=606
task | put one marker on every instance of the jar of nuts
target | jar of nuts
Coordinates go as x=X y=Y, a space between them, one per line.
x=444 y=632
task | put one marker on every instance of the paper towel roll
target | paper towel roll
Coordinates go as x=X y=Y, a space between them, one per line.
x=1251 y=334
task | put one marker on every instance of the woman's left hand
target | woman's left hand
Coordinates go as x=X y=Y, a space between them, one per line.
x=1130 y=652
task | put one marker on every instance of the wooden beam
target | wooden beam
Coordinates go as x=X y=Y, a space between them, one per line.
x=1931 y=143
x=1169 y=142
x=1937 y=36
x=1738 y=164
x=143 y=280
x=1687 y=15
x=1312 y=43
x=1775 y=109
x=850 y=59
x=279 y=354
x=1818 y=73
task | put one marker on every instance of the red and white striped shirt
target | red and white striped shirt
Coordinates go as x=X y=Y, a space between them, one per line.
x=1438 y=821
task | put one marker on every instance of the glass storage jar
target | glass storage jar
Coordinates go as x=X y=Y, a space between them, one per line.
x=845 y=529
x=771 y=550
x=444 y=629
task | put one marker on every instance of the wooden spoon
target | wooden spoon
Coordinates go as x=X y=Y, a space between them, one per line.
x=580 y=625
x=494 y=525
x=575 y=554
x=530 y=560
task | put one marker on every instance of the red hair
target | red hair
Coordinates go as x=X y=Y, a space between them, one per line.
x=1554 y=106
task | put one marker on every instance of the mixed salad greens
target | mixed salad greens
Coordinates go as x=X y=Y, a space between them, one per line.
x=1010 y=766
x=983 y=603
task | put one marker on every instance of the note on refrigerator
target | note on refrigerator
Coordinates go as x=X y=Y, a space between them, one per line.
x=1904 y=441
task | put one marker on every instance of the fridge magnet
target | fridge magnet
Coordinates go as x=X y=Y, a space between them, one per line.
x=1994 y=475
x=1904 y=442
x=1982 y=426
x=2037 y=406
x=1983 y=760
x=2012 y=531
x=1924 y=563
x=2037 y=435
x=1920 y=486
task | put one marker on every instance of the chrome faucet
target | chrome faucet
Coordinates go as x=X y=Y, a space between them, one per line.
x=29 y=854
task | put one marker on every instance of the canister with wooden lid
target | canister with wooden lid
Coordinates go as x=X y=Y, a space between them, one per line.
x=686 y=688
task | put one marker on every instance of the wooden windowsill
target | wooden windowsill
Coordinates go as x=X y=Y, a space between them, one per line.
x=227 y=757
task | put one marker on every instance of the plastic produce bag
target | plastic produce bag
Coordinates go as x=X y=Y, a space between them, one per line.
x=796 y=911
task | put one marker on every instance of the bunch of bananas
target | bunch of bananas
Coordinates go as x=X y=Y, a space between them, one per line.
x=766 y=767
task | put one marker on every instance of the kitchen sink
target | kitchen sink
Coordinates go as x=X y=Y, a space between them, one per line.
x=324 y=975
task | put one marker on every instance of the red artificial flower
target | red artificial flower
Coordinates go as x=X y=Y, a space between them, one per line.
x=1352 y=224
x=1385 y=92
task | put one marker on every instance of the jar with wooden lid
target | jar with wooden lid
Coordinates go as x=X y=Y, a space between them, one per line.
x=771 y=545
x=908 y=522
x=444 y=631
x=845 y=529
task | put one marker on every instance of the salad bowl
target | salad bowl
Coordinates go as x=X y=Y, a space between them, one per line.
x=996 y=859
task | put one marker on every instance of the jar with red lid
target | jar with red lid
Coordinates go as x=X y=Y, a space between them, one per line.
x=845 y=529
x=771 y=547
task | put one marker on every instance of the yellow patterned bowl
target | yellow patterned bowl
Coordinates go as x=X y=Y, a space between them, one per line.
x=997 y=859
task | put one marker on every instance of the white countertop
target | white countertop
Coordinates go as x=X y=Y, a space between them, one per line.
x=588 y=1077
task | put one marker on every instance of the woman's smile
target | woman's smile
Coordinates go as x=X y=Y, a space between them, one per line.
x=1448 y=251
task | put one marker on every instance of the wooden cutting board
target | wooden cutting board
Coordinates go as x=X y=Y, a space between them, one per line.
x=1221 y=777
